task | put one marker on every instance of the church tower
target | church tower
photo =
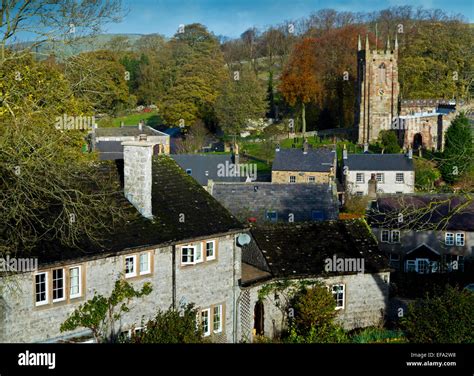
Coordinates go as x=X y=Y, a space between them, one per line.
x=377 y=90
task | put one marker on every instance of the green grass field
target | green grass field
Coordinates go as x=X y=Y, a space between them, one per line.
x=151 y=118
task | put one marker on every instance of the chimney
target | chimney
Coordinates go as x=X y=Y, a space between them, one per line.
x=140 y=125
x=372 y=187
x=137 y=173
x=366 y=148
x=410 y=153
x=122 y=124
x=305 y=147
x=344 y=153
x=236 y=154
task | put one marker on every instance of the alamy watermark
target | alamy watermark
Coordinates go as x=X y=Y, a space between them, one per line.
x=227 y=169
x=67 y=122
x=342 y=264
x=13 y=264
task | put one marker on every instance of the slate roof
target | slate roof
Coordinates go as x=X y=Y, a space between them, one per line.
x=205 y=166
x=109 y=150
x=378 y=162
x=127 y=131
x=112 y=149
x=299 y=250
x=315 y=160
x=423 y=212
x=173 y=194
x=245 y=200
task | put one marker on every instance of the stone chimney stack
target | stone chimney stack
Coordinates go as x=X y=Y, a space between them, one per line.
x=137 y=171
x=366 y=147
x=410 y=153
x=236 y=154
x=305 y=147
x=344 y=153
x=372 y=187
x=140 y=125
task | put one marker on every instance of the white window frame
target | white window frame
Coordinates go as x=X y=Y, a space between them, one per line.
x=192 y=262
x=79 y=274
x=449 y=235
x=460 y=239
x=213 y=257
x=412 y=263
x=391 y=236
x=382 y=234
x=292 y=177
x=63 y=287
x=46 y=288
x=208 y=331
x=343 y=295
x=148 y=255
x=201 y=254
x=424 y=261
x=219 y=307
x=382 y=177
x=197 y=255
x=397 y=180
x=362 y=177
x=134 y=273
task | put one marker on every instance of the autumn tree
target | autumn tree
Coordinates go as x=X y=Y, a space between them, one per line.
x=299 y=84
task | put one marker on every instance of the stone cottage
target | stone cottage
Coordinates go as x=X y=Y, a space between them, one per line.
x=183 y=242
x=306 y=165
x=393 y=173
x=299 y=252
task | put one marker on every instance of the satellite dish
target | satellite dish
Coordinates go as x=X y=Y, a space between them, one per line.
x=243 y=239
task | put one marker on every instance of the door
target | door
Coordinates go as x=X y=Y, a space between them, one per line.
x=259 y=319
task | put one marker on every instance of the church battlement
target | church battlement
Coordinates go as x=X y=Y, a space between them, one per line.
x=418 y=122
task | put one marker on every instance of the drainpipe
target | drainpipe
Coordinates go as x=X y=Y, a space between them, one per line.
x=173 y=276
x=234 y=303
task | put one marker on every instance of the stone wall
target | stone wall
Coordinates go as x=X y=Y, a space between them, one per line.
x=205 y=284
x=283 y=177
x=366 y=301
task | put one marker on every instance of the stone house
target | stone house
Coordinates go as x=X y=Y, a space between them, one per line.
x=425 y=233
x=298 y=252
x=394 y=173
x=183 y=242
x=307 y=165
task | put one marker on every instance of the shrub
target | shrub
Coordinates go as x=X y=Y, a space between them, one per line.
x=171 y=326
x=447 y=318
